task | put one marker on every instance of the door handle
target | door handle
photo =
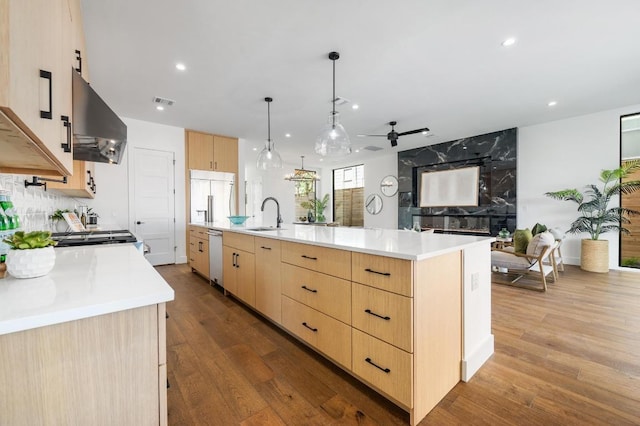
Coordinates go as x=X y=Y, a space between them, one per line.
x=66 y=123
x=139 y=223
x=47 y=76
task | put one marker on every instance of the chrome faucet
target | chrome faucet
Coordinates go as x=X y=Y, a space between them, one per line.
x=279 y=218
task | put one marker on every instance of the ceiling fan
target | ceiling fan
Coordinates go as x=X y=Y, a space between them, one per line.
x=393 y=135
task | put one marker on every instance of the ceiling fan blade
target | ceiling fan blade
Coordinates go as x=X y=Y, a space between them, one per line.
x=362 y=136
x=411 y=132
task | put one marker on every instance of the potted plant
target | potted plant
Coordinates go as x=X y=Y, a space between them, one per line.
x=596 y=217
x=31 y=255
x=317 y=206
x=59 y=222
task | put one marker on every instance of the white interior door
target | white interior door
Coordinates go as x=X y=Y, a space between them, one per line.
x=154 y=203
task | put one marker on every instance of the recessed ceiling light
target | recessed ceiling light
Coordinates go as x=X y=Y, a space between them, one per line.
x=424 y=132
x=509 y=42
x=255 y=149
x=355 y=106
x=357 y=150
x=552 y=103
x=180 y=66
x=321 y=159
x=287 y=135
x=160 y=108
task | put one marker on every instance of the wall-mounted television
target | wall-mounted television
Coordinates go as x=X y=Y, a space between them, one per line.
x=450 y=188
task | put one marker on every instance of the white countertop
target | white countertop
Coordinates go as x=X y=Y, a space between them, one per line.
x=86 y=281
x=396 y=243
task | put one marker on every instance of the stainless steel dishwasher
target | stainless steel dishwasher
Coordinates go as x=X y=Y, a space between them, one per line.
x=215 y=257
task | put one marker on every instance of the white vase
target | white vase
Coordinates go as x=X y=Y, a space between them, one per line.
x=30 y=263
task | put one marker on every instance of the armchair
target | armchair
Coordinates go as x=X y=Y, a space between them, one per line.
x=537 y=261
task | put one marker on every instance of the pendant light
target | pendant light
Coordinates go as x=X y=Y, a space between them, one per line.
x=333 y=140
x=302 y=174
x=269 y=157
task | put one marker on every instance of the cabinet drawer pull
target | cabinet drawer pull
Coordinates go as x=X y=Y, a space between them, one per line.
x=237 y=260
x=310 y=328
x=79 y=59
x=266 y=248
x=386 y=274
x=376 y=315
x=47 y=76
x=200 y=246
x=90 y=178
x=309 y=289
x=234 y=260
x=309 y=257
x=66 y=123
x=386 y=370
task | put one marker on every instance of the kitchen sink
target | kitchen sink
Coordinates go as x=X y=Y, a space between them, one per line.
x=265 y=228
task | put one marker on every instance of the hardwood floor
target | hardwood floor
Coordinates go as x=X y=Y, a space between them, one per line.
x=567 y=356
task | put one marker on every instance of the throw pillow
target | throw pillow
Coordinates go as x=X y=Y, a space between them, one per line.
x=539 y=242
x=521 y=240
x=538 y=228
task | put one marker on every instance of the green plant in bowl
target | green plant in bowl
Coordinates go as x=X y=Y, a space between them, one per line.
x=31 y=240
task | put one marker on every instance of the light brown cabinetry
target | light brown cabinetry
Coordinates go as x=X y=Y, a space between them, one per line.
x=328 y=335
x=238 y=267
x=199 y=250
x=212 y=152
x=322 y=259
x=82 y=184
x=105 y=369
x=35 y=86
x=268 y=277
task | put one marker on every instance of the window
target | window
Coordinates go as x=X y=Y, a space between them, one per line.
x=630 y=150
x=348 y=196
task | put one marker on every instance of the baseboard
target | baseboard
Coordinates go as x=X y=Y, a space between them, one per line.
x=181 y=259
x=476 y=359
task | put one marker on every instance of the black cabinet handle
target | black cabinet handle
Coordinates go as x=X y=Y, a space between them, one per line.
x=310 y=328
x=47 y=76
x=200 y=246
x=386 y=274
x=90 y=178
x=309 y=257
x=66 y=123
x=233 y=262
x=386 y=370
x=309 y=289
x=237 y=260
x=376 y=315
x=139 y=223
x=266 y=248
x=93 y=188
x=79 y=59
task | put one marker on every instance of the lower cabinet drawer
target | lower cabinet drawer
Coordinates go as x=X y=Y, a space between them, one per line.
x=327 y=294
x=387 y=316
x=327 y=334
x=384 y=366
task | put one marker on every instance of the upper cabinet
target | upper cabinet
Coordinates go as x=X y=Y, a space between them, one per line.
x=36 y=61
x=211 y=152
x=82 y=184
x=78 y=49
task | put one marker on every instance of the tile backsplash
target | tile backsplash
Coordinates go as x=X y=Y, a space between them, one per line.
x=33 y=204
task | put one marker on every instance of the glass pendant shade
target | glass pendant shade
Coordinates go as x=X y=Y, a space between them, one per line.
x=333 y=140
x=269 y=158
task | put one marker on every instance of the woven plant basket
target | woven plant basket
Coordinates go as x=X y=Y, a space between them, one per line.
x=594 y=256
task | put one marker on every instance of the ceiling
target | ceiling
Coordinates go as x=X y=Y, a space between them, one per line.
x=433 y=63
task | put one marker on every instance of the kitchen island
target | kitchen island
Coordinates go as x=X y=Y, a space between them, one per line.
x=407 y=313
x=85 y=344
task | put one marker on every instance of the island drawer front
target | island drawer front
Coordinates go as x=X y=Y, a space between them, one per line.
x=331 y=336
x=385 y=273
x=239 y=241
x=322 y=259
x=384 y=366
x=384 y=315
x=198 y=232
x=325 y=293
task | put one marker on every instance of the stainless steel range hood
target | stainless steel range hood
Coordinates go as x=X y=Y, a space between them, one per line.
x=98 y=133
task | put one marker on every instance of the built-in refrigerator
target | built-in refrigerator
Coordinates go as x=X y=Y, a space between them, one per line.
x=212 y=196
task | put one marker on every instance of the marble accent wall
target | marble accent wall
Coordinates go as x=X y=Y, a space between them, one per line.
x=495 y=153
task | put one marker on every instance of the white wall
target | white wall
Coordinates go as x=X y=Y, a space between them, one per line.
x=566 y=154
x=114 y=185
